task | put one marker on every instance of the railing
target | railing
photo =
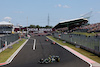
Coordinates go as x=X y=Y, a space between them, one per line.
x=7 y=39
x=90 y=43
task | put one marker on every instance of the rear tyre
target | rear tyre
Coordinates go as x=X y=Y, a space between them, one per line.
x=58 y=60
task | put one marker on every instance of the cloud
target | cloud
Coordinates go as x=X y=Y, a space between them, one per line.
x=63 y=6
x=91 y=8
x=19 y=12
x=59 y=5
x=98 y=12
x=7 y=18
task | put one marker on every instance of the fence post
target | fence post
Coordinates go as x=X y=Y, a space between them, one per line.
x=6 y=44
x=0 y=43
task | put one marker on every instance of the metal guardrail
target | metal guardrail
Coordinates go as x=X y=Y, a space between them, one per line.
x=90 y=43
x=7 y=39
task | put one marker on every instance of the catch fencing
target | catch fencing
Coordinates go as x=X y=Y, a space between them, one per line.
x=90 y=43
x=8 y=39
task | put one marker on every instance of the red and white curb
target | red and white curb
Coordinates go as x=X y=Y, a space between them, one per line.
x=13 y=55
x=86 y=59
x=1 y=64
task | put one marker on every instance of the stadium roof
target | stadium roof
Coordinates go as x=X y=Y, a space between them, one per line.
x=70 y=23
x=4 y=23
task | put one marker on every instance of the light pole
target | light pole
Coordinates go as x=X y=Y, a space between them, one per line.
x=27 y=27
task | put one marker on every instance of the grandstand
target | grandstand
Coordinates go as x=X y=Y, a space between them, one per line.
x=70 y=24
x=6 y=27
x=73 y=24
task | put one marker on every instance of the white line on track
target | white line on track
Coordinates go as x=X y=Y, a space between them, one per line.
x=34 y=44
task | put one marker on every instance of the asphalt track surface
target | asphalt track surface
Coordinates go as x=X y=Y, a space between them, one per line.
x=28 y=57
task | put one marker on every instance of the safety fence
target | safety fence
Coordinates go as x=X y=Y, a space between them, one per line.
x=8 y=39
x=90 y=43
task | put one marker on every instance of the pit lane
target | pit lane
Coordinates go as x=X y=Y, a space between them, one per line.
x=29 y=58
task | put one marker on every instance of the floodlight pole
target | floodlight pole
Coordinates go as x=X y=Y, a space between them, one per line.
x=48 y=20
x=27 y=26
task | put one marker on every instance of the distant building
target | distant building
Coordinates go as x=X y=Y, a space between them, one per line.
x=17 y=29
x=6 y=27
x=39 y=30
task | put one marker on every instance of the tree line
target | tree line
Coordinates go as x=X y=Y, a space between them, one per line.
x=37 y=26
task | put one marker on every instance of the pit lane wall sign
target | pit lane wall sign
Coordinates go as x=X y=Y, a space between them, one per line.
x=39 y=29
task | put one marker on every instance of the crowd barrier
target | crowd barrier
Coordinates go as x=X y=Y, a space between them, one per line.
x=8 y=39
x=90 y=43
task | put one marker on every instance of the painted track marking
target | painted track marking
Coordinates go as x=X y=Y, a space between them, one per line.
x=34 y=44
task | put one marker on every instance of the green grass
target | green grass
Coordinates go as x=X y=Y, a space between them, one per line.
x=84 y=52
x=84 y=33
x=8 y=52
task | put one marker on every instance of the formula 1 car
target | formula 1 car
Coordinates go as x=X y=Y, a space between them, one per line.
x=53 y=42
x=50 y=59
x=46 y=40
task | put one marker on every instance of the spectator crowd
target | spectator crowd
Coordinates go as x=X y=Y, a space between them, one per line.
x=87 y=28
x=91 y=28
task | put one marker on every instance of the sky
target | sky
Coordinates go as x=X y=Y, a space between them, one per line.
x=35 y=12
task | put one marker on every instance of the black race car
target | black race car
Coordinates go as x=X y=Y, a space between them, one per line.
x=50 y=59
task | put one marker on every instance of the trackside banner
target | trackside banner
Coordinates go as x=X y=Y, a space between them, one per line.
x=39 y=29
